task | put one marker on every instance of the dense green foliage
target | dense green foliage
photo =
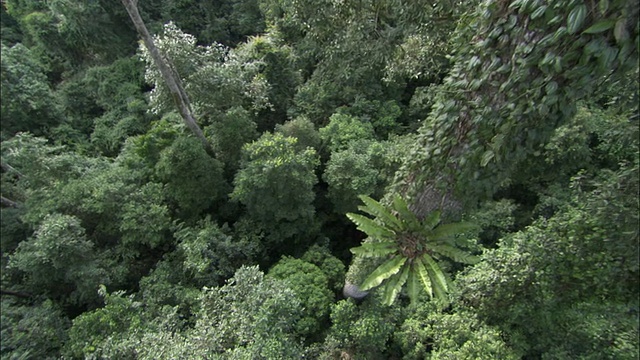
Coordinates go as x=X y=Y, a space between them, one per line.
x=123 y=237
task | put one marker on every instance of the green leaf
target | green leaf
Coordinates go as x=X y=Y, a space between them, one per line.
x=576 y=18
x=376 y=209
x=431 y=220
x=370 y=227
x=599 y=27
x=383 y=272
x=413 y=284
x=375 y=249
x=455 y=254
x=486 y=157
x=406 y=215
x=423 y=275
x=447 y=230
x=603 y=6
x=437 y=289
x=434 y=270
x=620 y=32
x=538 y=12
x=394 y=285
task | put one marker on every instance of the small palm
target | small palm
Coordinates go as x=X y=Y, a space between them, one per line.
x=410 y=246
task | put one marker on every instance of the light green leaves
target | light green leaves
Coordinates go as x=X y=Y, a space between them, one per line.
x=375 y=249
x=383 y=272
x=394 y=285
x=376 y=209
x=423 y=276
x=370 y=227
x=487 y=157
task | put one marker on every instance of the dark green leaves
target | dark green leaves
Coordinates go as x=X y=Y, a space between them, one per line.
x=599 y=27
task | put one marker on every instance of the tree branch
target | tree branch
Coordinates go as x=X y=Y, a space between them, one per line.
x=10 y=203
x=6 y=167
x=168 y=74
x=15 y=293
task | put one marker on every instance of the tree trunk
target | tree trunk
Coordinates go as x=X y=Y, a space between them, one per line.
x=512 y=84
x=169 y=75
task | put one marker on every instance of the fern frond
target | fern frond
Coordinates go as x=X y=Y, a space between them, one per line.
x=370 y=227
x=439 y=292
x=434 y=270
x=376 y=209
x=375 y=249
x=413 y=284
x=448 y=230
x=455 y=254
x=394 y=285
x=406 y=216
x=431 y=220
x=383 y=272
x=423 y=276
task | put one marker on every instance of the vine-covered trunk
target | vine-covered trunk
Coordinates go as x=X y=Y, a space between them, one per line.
x=519 y=70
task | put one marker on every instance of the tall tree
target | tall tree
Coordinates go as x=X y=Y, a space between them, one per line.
x=171 y=78
x=519 y=69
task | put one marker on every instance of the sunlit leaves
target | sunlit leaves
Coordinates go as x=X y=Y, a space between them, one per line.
x=312 y=288
x=215 y=78
x=377 y=249
x=60 y=259
x=383 y=272
x=369 y=227
x=271 y=168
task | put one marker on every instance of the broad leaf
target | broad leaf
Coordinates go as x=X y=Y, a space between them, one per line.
x=601 y=26
x=413 y=284
x=423 y=275
x=448 y=230
x=407 y=216
x=437 y=289
x=375 y=249
x=576 y=18
x=383 y=272
x=394 y=285
x=455 y=254
x=435 y=272
x=370 y=227
x=432 y=219
x=376 y=209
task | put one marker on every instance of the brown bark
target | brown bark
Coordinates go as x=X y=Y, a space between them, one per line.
x=169 y=75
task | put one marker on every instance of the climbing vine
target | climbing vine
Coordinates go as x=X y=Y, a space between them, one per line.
x=515 y=80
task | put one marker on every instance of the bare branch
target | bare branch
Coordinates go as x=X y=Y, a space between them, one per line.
x=15 y=293
x=168 y=74
x=8 y=168
x=9 y=203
